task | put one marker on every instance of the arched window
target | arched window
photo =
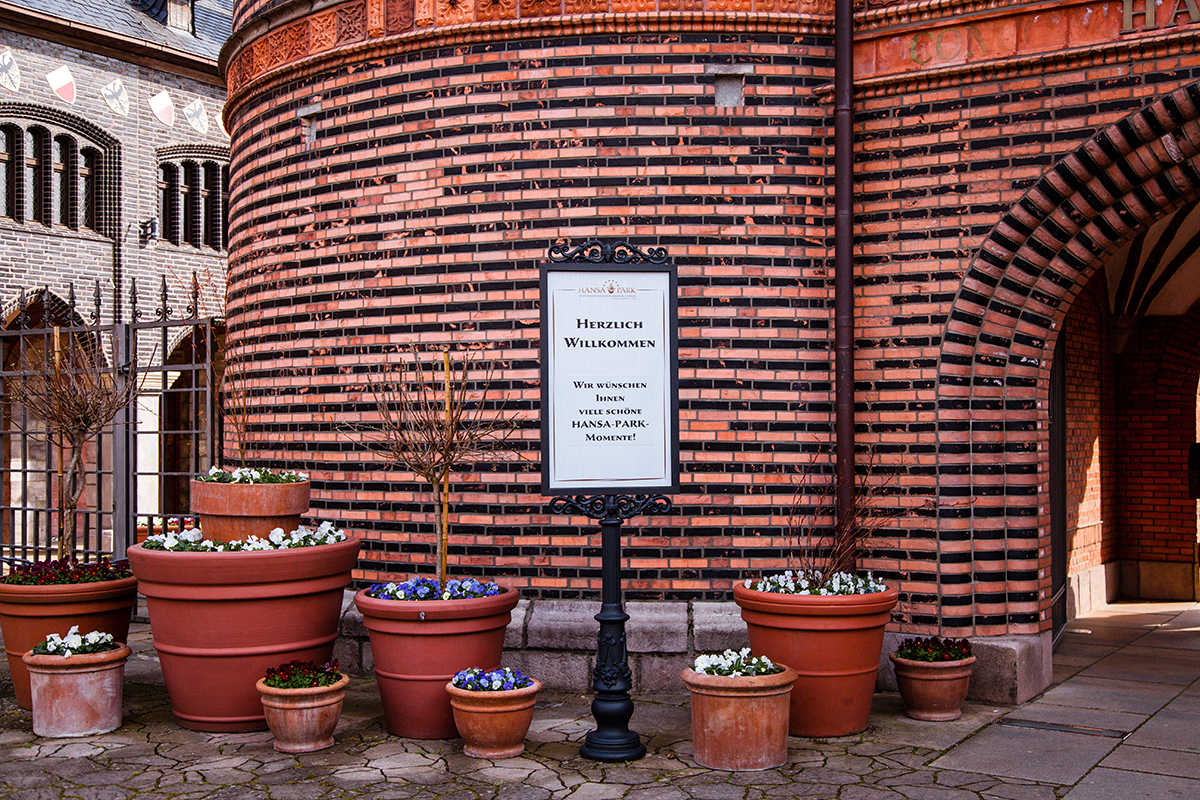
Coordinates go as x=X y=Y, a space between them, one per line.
x=168 y=196
x=8 y=171
x=89 y=189
x=63 y=182
x=211 y=196
x=193 y=196
x=189 y=202
x=35 y=176
x=52 y=175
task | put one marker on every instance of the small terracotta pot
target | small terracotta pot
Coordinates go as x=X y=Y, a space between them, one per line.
x=79 y=695
x=303 y=720
x=29 y=613
x=230 y=511
x=933 y=690
x=740 y=723
x=493 y=724
x=419 y=645
x=833 y=641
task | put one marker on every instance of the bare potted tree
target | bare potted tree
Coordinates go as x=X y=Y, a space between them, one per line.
x=423 y=631
x=822 y=615
x=75 y=392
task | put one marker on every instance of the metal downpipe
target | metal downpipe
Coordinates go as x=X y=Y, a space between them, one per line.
x=843 y=254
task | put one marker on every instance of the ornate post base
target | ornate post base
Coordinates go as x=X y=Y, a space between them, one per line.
x=612 y=707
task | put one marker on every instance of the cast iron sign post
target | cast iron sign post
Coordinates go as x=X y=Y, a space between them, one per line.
x=610 y=430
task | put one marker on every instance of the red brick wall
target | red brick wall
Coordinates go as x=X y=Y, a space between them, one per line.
x=1092 y=490
x=1157 y=383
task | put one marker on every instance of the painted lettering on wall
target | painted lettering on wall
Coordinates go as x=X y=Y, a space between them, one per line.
x=947 y=44
x=1162 y=14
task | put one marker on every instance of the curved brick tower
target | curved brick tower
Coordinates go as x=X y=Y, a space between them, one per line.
x=399 y=172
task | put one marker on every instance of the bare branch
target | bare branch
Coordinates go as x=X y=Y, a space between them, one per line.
x=434 y=419
x=71 y=389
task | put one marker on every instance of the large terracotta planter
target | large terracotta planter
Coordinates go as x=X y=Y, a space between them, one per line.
x=230 y=511
x=834 y=643
x=493 y=724
x=220 y=620
x=933 y=690
x=79 y=695
x=740 y=723
x=29 y=613
x=302 y=720
x=418 y=646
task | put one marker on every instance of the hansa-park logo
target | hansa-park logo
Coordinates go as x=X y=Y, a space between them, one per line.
x=610 y=288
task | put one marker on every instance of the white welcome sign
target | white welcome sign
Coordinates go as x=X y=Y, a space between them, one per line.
x=609 y=379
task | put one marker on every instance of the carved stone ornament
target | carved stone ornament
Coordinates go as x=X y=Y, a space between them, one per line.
x=490 y=10
x=399 y=15
x=424 y=13
x=455 y=12
x=322 y=33
x=376 y=24
x=351 y=23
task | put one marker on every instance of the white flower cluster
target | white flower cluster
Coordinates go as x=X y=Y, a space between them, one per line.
x=191 y=539
x=249 y=475
x=65 y=646
x=814 y=583
x=735 y=664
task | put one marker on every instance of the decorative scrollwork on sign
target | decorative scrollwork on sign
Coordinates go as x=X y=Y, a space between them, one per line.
x=598 y=252
x=611 y=506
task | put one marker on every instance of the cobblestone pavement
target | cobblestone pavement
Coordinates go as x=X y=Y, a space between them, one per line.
x=150 y=757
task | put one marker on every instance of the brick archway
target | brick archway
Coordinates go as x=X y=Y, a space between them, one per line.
x=993 y=375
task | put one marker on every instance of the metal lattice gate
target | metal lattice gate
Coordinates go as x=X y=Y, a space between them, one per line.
x=137 y=469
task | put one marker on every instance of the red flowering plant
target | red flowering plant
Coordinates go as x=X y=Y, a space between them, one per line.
x=66 y=570
x=934 y=649
x=303 y=675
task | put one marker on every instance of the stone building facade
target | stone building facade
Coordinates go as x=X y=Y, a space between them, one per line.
x=1026 y=180
x=113 y=175
x=110 y=122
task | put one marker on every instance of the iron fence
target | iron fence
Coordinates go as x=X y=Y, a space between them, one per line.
x=137 y=468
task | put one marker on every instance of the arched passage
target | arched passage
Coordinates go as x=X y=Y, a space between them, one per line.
x=994 y=369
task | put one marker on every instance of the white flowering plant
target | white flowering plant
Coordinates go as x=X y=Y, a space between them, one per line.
x=192 y=540
x=252 y=475
x=813 y=582
x=75 y=644
x=736 y=664
x=498 y=680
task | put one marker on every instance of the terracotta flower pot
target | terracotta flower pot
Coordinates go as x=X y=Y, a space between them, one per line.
x=230 y=511
x=220 y=620
x=302 y=720
x=933 y=690
x=834 y=642
x=493 y=724
x=29 y=613
x=418 y=646
x=740 y=723
x=79 y=695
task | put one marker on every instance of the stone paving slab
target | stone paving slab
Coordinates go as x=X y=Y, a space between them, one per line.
x=1112 y=695
x=1154 y=760
x=1111 y=784
x=1041 y=755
